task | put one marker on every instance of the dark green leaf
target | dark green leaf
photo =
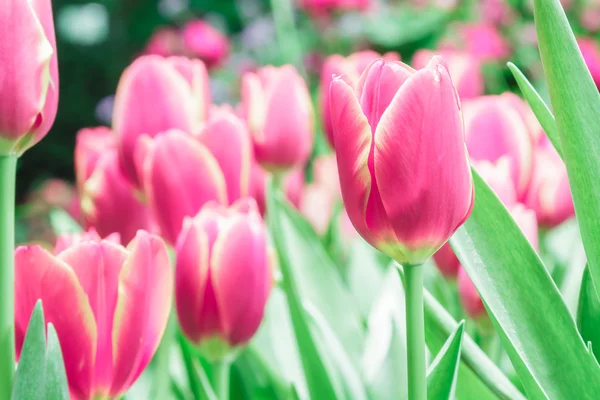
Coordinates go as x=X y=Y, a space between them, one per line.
x=519 y=295
x=588 y=312
x=576 y=105
x=443 y=370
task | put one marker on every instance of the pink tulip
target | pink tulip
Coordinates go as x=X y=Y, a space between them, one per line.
x=222 y=277
x=484 y=41
x=464 y=69
x=591 y=55
x=497 y=176
x=65 y=241
x=180 y=176
x=109 y=305
x=109 y=202
x=404 y=170
x=227 y=138
x=156 y=94
x=165 y=42
x=494 y=129
x=549 y=194
x=293 y=185
x=205 y=42
x=90 y=144
x=277 y=106
x=590 y=17
x=28 y=74
x=321 y=7
x=348 y=68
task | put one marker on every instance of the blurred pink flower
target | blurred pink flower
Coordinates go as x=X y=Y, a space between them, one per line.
x=591 y=55
x=482 y=40
x=165 y=42
x=321 y=7
x=204 y=41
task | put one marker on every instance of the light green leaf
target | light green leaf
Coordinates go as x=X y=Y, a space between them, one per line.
x=588 y=312
x=576 y=105
x=443 y=370
x=539 y=108
x=62 y=223
x=394 y=27
x=41 y=372
x=519 y=295
x=319 y=376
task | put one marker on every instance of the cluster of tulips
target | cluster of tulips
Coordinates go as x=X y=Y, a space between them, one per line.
x=175 y=170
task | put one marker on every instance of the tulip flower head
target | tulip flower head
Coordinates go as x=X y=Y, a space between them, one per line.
x=28 y=74
x=90 y=144
x=277 y=106
x=404 y=170
x=205 y=42
x=156 y=94
x=222 y=277
x=109 y=305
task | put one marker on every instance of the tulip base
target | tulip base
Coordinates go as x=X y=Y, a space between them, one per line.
x=8 y=170
x=415 y=332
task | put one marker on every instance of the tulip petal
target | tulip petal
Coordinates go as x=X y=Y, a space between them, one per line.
x=97 y=266
x=229 y=142
x=241 y=276
x=253 y=104
x=194 y=72
x=421 y=163
x=25 y=63
x=143 y=307
x=183 y=176
x=91 y=143
x=40 y=275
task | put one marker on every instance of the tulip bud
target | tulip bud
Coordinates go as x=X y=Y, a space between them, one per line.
x=165 y=42
x=28 y=74
x=494 y=129
x=180 y=176
x=349 y=69
x=90 y=144
x=156 y=94
x=464 y=68
x=404 y=171
x=109 y=305
x=222 y=277
x=109 y=202
x=276 y=103
x=65 y=241
x=205 y=42
x=549 y=193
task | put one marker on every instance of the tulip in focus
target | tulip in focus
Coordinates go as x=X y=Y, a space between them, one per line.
x=495 y=128
x=156 y=94
x=277 y=105
x=28 y=74
x=109 y=305
x=180 y=175
x=464 y=69
x=349 y=69
x=222 y=277
x=403 y=166
x=205 y=42
x=469 y=297
x=549 y=193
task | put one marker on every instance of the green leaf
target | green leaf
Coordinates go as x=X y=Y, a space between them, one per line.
x=588 y=312
x=399 y=26
x=319 y=377
x=443 y=370
x=539 y=108
x=62 y=223
x=41 y=373
x=508 y=274
x=206 y=390
x=576 y=104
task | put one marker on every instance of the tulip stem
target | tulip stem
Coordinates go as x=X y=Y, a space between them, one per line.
x=220 y=378
x=415 y=332
x=8 y=172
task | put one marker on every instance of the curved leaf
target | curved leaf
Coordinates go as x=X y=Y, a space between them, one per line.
x=443 y=370
x=588 y=313
x=520 y=295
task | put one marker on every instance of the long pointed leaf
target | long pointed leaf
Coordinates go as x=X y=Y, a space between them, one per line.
x=588 y=313
x=520 y=295
x=443 y=370
x=576 y=105
x=539 y=108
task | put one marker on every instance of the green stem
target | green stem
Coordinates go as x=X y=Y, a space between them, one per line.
x=287 y=34
x=188 y=360
x=220 y=378
x=415 y=333
x=8 y=172
x=162 y=377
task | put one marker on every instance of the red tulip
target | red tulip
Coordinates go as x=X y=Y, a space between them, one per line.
x=109 y=305
x=403 y=165
x=494 y=129
x=222 y=277
x=205 y=42
x=349 y=69
x=156 y=94
x=464 y=68
x=276 y=103
x=28 y=74
x=180 y=176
